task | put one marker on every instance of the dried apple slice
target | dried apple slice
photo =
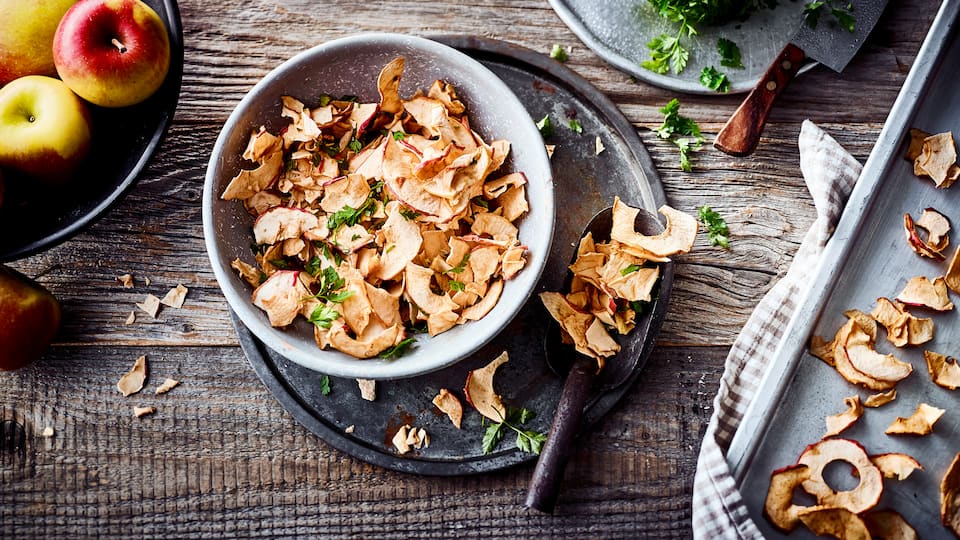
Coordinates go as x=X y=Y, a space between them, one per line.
x=902 y=327
x=950 y=497
x=845 y=367
x=938 y=229
x=889 y=525
x=915 y=147
x=944 y=370
x=921 y=292
x=677 y=237
x=896 y=465
x=779 y=507
x=822 y=349
x=132 y=381
x=916 y=243
x=450 y=405
x=480 y=393
x=883 y=367
x=818 y=455
x=839 y=422
x=938 y=159
x=952 y=277
x=836 y=522
x=880 y=399
x=919 y=423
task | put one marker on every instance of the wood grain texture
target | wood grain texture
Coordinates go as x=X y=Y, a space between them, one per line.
x=221 y=458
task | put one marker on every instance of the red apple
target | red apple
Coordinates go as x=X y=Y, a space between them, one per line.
x=44 y=128
x=112 y=53
x=29 y=319
x=26 y=36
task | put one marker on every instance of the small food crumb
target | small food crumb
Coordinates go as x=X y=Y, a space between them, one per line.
x=409 y=437
x=400 y=440
x=168 y=385
x=47 y=432
x=368 y=389
x=131 y=318
x=126 y=280
x=349 y=429
x=132 y=381
x=146 y=281
x=550 y=148
x=143 y=411
x=150 y=305
x=600 y=146
x=175 y=297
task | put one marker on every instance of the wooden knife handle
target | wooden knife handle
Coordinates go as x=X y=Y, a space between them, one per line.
x=545 y=484
x=741 y=133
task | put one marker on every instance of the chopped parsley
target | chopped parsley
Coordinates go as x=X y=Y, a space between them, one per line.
x=409 y=213
x=481 y=202
x=729 y=54
x=349 y=215
x=399 y=135
x=527 y=440
x=668 y=53
x=575 y=126
x=457 y=286
x=558 y=53
x=841 y=10
x=545 y=126
x=397 y=350
x=323 y=316
x=681 y=131
x=714 y=80
x=629 y=269
x=717 y=230
x=313 y=266
x=325 y=385
x=355 y=144
x=325 y=99
x=458 y=269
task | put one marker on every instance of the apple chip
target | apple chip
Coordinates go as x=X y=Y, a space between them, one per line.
x=449 y=405
x=845 y=366
x=858 y=347
x=150 y=305
x=915 y=147
x=921 y=292
x=368 y=389
x=950 y=497
x=938 y=160
x=902 y=327
x=896 y=465
x=400 y=440
x=836 y=522
x=168 y=385
x=916 y=243
x=140 y=412
x=779 y=507
x=938 y=229
x=822 y=349
x=175 y=297
x=880 y=399
x=919 y=423
x=952 y=277
x=944 y=370
x=126 y=280
x=480 y=393
x=818 y=455
x=839 y=422
x=132 y=381
x=677 y=237
x=889 y=525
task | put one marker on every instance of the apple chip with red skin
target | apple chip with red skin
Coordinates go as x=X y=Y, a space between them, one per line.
x=779 y=507
x=480 y=393
x=950 y=497
x=944 y=370
x=919 y=423
x=889 y=525
x=836 y=522
x=818 y=455
x=921 y=292
x=916 y=243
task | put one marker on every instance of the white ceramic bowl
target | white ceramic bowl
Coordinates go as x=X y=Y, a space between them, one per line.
x=349 y=66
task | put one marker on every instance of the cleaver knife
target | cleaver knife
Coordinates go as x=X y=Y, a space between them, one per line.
x=828 y=44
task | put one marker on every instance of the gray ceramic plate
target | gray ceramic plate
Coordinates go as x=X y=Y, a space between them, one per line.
x=350 y=66
x=619 y=30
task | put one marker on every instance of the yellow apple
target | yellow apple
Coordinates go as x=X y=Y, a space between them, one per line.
x=44 y=128
x=26 y=36
x=29 y=319
x=112 y=53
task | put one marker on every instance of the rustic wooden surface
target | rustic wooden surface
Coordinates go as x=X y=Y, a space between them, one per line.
x=222 y=458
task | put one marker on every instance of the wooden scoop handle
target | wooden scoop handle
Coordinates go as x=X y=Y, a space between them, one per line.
x=741 y=133
x=545 y=484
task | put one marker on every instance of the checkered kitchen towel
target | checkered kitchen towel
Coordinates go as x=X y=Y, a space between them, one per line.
x=718 y=509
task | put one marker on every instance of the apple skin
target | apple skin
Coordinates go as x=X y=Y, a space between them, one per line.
x=112 y=53
x=44 y=128
x=29 y=319
x=26 y=36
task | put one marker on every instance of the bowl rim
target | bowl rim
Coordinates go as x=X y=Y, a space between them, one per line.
x=335 y=363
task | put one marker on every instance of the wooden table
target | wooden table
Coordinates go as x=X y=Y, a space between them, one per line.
x=222 y=458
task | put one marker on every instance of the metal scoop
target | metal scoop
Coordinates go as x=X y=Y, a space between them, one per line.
x=581 y=370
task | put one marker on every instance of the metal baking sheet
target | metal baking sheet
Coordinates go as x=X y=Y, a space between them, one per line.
x=868 y=257
x=586 y=182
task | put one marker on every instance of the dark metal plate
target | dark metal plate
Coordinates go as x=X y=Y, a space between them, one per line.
x=585 y=183
x=124 y=139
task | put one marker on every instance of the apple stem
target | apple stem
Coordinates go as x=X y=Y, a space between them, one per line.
x=116 y=43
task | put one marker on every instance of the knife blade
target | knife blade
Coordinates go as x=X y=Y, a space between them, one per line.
x=827 y=43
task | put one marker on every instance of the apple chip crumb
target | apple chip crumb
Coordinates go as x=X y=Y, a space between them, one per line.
x=839 y=422
x=175 y=297
x=919 y=423
x=550 y=149
x=140 y=412
x=599 y=146
x=168 y=385
x=47 y=432
x=126 y=280
x=368 y=389
x=400 y=440
x=449 y=404
x=349 y=429
x=150 y=305
x=131 y=318
x=146 y=281
x=132 y=381
x=881 y=398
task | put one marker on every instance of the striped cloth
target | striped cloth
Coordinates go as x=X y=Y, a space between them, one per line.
x=718 y=509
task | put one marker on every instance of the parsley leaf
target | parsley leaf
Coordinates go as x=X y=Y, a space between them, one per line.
x=313 y=266
x=397 y=350
x=558 y=53
x=714 y=80
x=527 y=440
x=323 y=316
x=575 y=126
x=325 y=385
x=491 y=437
x=545 y=127
x=409 y=214
x=349 y=215
x=355 y=144
x=717 y=229
x=325 y=100
x=681 y=131
x=841 y=10
x=729 y=53
x=457 y=286
x=399 y=135
x=629 y=269
x=458 y=269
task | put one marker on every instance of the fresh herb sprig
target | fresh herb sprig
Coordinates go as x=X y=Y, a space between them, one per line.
x=668 y=52
x=729 y=54
x=527 y=440
x=717 y=230
x=714 y=80
x=397 y=350
x=681 y=131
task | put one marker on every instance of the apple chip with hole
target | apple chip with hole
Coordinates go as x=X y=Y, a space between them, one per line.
x=943 y=369
x=921 y=292
x=919 y=423
x=677 y=237
x=862 y=497
x=367 y=215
